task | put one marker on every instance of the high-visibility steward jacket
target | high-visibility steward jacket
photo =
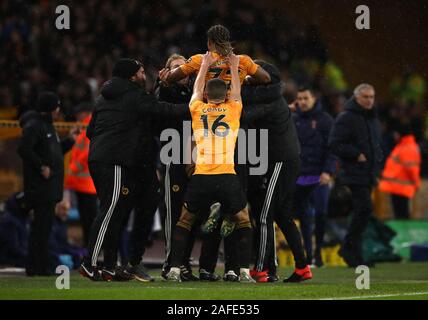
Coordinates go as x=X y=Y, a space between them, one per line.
x=77 y=176
x=401 y=175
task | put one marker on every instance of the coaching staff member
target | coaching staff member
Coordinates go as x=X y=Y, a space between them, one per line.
x=355 y=139
x=265 y=108
x=115 y=133
x=43 y=161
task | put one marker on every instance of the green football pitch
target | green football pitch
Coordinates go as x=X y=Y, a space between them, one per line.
x=387 y=281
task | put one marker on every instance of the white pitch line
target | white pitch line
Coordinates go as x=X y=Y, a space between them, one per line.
x=379 y=296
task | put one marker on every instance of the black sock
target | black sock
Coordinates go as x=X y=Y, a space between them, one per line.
x=294 y=240
x=179 y=243
x=244 y=234
x=231 y=253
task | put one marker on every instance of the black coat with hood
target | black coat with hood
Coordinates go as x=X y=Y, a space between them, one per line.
x=266 y=108
x=121 y=130
x=174 y=93
x=41 y=146
x=357 y=131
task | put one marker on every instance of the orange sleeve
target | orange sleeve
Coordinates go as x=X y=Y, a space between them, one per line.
x=193 y=105
x=411 y=158
x=249 y=65
x=236 y=104
x=414 y=174
x=192 y=65
x=410 y=154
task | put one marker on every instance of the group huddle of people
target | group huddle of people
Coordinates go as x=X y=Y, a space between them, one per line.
x=220 y=93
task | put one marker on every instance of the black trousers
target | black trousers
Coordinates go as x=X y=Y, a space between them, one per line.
x=39 y=262
x=147 y=200
x=115 y=187
x=401 y=206
x=302 y=206
x=277 y=206
x=87 y=205
x=362 y=210
x=174 y=187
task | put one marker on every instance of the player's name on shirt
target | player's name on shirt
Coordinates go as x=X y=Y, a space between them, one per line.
x=213 y=109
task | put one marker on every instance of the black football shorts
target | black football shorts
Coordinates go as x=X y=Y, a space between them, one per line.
x=203 y=190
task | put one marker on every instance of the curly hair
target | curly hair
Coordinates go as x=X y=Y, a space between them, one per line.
x=219 y=36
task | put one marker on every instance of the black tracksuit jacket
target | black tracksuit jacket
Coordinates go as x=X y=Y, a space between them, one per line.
x=122 y=123
x=266 y=108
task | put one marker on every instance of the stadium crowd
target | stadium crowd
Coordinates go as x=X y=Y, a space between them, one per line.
x=75 y=64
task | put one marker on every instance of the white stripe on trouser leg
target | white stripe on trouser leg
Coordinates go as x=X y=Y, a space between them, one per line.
x=263 y=225
x=263 y=216
x=265 y=211
x=168 y=220
x=274 y=247
x=95 y=253
x=105 y=223
x=262 y=222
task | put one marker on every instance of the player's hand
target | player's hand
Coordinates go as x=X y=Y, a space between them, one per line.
x=325 y=178
x=208 y=59
x=233 y=60
x=163 y=76
x=293 y=106
x=46 y=172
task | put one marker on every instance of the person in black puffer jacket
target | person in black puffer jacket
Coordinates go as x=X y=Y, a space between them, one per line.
x=120 y=136
x=355 y=139
x=42 y=155
x=266 y=108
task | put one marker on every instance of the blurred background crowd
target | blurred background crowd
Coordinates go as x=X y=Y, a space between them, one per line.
x=75 y=62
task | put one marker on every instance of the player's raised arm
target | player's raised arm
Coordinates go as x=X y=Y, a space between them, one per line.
x=235 y=85
x=198 y=87
x=168 y=76
x=260 y=77
x=192 y=65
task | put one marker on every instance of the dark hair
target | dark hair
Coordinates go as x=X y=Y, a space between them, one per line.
x=275 y=74
x=405 y=128
x=47 y=101
x=216 y=89
x=83 y=107
x=306 y=88
x=219 y=36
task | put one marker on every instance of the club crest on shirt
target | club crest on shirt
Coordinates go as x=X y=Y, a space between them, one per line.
x=314 y=124
x=125 y=191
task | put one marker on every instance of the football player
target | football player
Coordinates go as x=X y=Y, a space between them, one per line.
x=215 y=125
